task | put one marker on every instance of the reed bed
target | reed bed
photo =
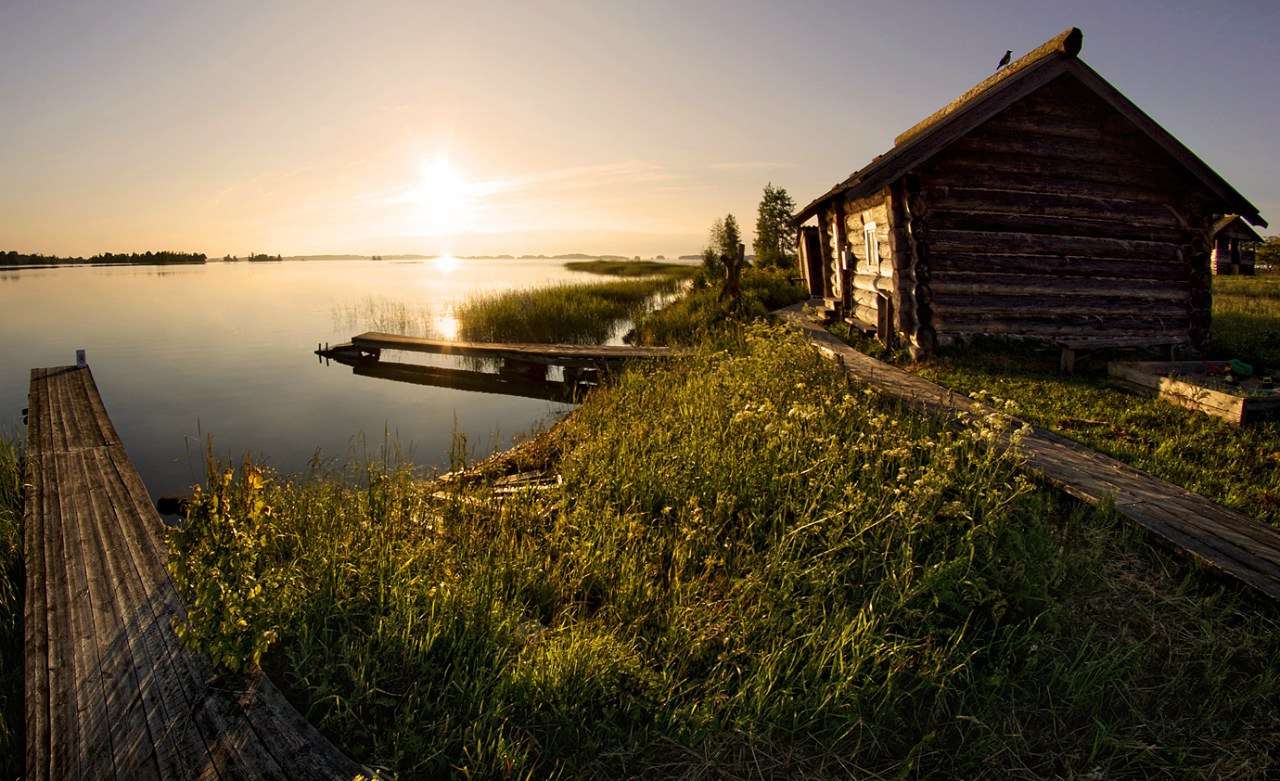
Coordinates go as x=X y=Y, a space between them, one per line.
x=754 y=568
x=564 y=313
x=585 y=313
x=634 y=268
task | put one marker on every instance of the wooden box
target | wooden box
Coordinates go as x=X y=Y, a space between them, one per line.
x=1189 y=384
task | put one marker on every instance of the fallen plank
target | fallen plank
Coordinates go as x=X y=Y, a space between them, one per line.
x=1230 y=543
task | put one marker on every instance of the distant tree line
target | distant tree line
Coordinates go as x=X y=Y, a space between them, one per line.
x=12 y=258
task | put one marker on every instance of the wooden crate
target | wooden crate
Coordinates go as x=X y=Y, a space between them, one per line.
x=1180 y=383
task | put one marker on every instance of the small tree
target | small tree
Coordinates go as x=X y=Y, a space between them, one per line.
x=1268 y=254
x=775 y=237
x=723 y=240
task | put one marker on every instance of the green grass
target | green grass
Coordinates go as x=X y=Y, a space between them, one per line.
x=701 y=311
x=1236 y=466
x=757 y=568
x=633 y=268
x=1246 y=318
x=12 y=717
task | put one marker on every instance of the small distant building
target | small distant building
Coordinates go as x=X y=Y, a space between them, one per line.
x=1042 y=203
x=1234 y=245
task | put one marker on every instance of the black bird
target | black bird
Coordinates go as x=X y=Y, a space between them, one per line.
x=1005 y=59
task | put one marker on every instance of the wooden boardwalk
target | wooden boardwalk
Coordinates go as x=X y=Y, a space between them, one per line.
x=572 y=355
x=1222 y=540
x=110 y=693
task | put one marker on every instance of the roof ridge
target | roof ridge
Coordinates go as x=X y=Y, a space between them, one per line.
x=1067 y=44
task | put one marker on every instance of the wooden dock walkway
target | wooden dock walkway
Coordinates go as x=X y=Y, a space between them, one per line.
x=373 y=343
x=1222 y=540
x=110 y=693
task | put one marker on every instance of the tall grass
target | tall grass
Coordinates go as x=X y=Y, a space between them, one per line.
x=1246 y=318
x=565 y=313
x=1236 y=466
x=757 y=568
x=12 y=717
x=702 y=310
x=590 y=313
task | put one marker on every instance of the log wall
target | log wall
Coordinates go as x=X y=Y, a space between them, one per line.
x=1057 y=218
x=869 y=277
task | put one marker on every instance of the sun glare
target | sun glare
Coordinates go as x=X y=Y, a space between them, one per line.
x=442 y=196
x=446 y=264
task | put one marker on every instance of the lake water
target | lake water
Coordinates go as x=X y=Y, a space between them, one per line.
x=226 y=349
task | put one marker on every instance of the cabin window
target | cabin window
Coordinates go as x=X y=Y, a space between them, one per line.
x=873 y=246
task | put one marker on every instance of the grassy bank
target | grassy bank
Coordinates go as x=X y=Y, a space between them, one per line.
x=755 y=568
x=12 y=725
x=1239 y=467
x=702 y=310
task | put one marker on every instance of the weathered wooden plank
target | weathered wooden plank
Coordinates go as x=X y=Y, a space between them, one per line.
x=131 y=752
x=178 y=751
x=1228 y=542
x=555 y=354
x=110 y=691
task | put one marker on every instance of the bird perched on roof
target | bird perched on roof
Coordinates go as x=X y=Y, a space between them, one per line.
x=1005 y=59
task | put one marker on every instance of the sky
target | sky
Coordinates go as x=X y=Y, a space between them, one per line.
x=540 y=126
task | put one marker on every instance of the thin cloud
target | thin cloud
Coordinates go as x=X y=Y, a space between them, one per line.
x=579 y=177
x=754 y=165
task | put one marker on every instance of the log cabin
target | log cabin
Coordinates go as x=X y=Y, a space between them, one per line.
x=1042 y=204
x=1233 y=246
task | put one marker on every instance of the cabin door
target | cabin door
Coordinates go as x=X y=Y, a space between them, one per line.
x=811 y=259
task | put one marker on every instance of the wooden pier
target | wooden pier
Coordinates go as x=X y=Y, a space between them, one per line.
x=1219 y=539
x=110 y=692
x=372 y=343
x=522 y=367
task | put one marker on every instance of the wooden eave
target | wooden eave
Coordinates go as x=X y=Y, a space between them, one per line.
x=1234 y=226
x=1051 y=60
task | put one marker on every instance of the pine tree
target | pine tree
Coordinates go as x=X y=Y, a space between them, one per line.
x=775 y=237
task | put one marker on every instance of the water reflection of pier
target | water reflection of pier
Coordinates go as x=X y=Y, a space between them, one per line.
x=557 y=372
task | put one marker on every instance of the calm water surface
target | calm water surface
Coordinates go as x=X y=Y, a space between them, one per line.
x=225 y=349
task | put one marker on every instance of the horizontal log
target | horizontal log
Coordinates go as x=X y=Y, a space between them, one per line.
x=867 y=315
x=877 y=201
x=1156 y=191
x=971 y=198
x=941 y=263
x=1042 y=306
x=997 y=144
x=977 y=168
x=984 y=284
x=1055 y=329
x=1039 y=244
x=875 y=284
x=1090 y=127
x=1079 y=225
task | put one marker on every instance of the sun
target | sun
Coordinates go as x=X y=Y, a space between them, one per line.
x=442 y=196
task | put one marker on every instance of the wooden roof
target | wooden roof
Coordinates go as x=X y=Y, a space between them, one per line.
x=1234 y=226
x=1052 y=59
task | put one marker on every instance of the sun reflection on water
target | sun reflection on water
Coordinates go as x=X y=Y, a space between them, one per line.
x=445 y=325
x=446 y=264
